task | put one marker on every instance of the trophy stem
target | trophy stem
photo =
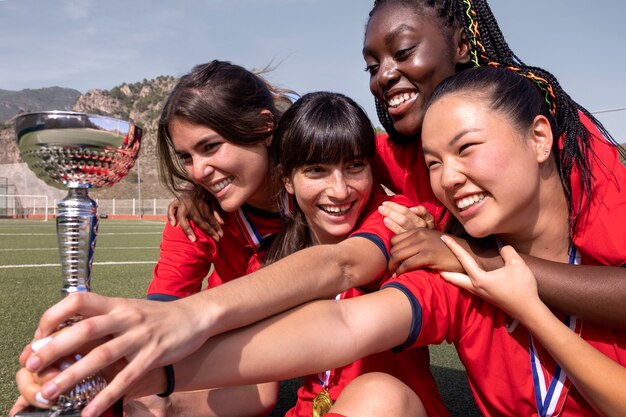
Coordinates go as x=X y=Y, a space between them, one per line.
x=77 y=229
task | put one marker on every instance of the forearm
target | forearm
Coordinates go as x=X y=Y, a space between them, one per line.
x=598 y=378
x=317 y=272
x=278 y=348
x=595 y=293
x=311 y=338
x=239 y=401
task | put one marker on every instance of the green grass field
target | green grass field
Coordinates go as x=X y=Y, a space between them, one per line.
x=126 y=251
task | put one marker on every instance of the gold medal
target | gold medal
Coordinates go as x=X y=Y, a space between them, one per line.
x=321 y=403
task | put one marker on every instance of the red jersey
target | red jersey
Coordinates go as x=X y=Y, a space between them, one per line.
x=411 y=367
x=496 y=350
x=183 y=265
x=602 y=225
x=402 y=169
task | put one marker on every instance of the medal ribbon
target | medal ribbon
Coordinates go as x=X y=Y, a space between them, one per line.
x=253 y=237
x=324 y=377
x=551 y=390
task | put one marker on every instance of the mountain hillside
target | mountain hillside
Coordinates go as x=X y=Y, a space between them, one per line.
x=14 y=102
x=140 y=102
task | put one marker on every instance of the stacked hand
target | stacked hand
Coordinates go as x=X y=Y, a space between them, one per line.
x=131 y=337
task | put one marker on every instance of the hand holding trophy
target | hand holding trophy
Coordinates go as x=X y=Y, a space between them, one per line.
x=76 y=151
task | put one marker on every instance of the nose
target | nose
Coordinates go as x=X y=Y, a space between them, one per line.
x=451 y=176
x=387 y=74
x=337 y=187
x=200 y=169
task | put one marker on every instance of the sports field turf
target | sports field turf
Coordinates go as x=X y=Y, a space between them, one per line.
x=126 y=251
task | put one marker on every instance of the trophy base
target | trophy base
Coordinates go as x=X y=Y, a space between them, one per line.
x=116 y=411
x=41 y=412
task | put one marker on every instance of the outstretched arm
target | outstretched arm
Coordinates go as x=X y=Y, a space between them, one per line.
x=514 y=289
x=152 y=334
x=317 y=336
x=595 y=293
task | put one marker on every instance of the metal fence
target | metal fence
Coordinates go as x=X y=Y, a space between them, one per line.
x=41 y=206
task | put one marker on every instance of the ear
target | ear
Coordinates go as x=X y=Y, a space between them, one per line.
x=541 y=136
x=289 y=185
x=462 y=46
x=268 y=117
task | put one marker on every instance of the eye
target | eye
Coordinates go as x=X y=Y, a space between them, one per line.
x=404 y=53
x=465 y=148
x=432 y=164
x=211 y=147
x=372 y=69
x=356 y=166
x=184 y=158
x=314 y=171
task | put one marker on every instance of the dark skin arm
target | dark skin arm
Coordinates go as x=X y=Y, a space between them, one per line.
x=595 y=293
x=195 y=204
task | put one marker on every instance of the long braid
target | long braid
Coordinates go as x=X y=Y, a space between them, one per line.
x=493 y=50
x=490 y=48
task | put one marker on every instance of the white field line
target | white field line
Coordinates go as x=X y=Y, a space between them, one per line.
x=99 y=234
x=58 y=265
x=100 y=249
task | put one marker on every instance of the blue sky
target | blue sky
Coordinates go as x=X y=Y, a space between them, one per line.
x=315 y=44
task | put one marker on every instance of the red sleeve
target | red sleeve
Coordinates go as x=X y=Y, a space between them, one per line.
x=439 y=309
x=371 y=227
x=601 y=227
x=182 y=264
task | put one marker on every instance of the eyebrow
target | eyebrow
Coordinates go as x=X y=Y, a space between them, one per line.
x=391 y=36
x=454 y=140
x=200 y=143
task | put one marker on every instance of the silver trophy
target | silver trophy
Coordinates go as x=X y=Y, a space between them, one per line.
x=77 y=151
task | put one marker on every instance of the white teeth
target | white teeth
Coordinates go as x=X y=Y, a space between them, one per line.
x=336 y=210
x=466 y=202
x=400 y=98
x=216 y=188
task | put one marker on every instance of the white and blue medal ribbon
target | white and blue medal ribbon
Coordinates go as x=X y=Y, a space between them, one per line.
x=551 y=390
x=253 y=237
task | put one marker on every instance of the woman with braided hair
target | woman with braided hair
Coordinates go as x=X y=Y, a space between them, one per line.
x=411 y=46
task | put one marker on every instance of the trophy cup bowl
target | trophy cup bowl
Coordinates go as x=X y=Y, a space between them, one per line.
x=77 y=151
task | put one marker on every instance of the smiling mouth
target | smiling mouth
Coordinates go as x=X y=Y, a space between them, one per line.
x=401 y=98
x=467 y=202
x=216 y=188
x=336 y=209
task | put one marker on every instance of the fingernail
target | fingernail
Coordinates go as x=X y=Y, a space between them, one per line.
x=64 y=365
x=33 y=363
x=50 y=389
x=40 y=399
x=38 y=344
